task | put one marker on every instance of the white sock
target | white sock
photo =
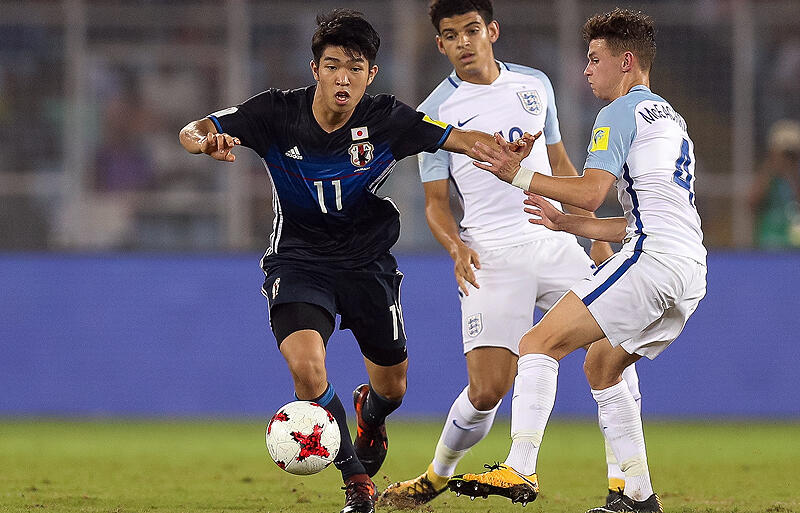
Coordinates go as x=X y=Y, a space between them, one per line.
x=621 y=424
x=534 y=396
x=631 y=379
x=465 y=427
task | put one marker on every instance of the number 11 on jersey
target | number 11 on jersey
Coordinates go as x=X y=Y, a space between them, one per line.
x=337 y=187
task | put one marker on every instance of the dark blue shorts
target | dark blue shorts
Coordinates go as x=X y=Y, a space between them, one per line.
x=367 y=300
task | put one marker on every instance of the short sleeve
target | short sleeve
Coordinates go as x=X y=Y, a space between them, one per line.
x=249 y=121
x=434 y=166
x=416 y=132
x=552 y=131
x=612 y=135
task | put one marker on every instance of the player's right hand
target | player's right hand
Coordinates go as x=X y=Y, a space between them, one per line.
x=465 y=259
x=543 y=212
x=219 y=146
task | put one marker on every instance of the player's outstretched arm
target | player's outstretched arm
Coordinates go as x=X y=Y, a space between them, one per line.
x=444 y=228
x=201 y=136
x=562 y=166
x=609 y=229
x=464 y=141
x=587 y=191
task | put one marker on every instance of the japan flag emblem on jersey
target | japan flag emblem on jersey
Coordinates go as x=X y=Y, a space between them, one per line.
x=360 y=153
x=530 y=101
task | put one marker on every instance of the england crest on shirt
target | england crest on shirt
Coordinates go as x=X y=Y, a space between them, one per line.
x=530 y=101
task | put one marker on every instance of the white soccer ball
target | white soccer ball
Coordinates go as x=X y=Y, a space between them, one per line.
x=303 y=438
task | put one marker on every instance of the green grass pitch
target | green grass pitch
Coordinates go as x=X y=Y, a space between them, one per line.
x=126 y=466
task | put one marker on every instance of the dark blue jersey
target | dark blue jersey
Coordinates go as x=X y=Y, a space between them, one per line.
x=325 y=184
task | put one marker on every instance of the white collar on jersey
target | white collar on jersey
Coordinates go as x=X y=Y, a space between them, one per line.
x=457 y=81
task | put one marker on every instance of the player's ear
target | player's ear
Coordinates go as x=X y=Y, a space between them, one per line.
x=440 y=45
x=493 y=28
x=372 y=72
x=627 y=61
x=314 y=70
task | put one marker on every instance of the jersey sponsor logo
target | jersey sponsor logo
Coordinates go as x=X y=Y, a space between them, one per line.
x=359 y=133
x=474 y=325
x=600 y=138
x=432 y=121
x=294 y=153
x=530 y=102
x=275 y=287
x=360 y=153
x=462 y=123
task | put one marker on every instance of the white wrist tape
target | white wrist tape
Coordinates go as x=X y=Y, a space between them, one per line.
x=523 y=178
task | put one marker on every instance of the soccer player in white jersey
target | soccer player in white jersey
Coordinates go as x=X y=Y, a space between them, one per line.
x=504 y=265
x=641 y=298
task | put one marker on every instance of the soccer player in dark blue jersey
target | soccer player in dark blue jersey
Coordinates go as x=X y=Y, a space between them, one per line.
x=327 y=149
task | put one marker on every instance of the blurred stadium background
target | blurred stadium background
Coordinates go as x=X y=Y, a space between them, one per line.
x=129 y=268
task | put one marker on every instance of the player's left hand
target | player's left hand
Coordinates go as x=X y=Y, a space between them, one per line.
x=544 y=212
x=504 y=159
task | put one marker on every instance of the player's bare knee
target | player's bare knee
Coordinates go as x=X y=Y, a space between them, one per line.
x=486 y=399
x=393 y=389
x=308 y=372
x=543 y=342
x=485 y=396
x=599 y=376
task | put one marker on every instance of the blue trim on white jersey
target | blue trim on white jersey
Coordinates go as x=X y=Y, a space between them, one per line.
x=552 y=130
x=626 y=174
x=214 y=119
x=637 y=250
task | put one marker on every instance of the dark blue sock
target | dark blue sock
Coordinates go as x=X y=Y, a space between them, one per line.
x=346 y=461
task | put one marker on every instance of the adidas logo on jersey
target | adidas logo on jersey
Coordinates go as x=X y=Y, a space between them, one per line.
x=294 y=153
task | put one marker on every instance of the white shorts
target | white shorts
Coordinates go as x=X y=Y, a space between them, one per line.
x=513 y=281
x=642 y=300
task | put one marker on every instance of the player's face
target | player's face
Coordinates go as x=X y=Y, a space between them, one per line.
x=341 y=78
x=467 y=40
x=604 y=70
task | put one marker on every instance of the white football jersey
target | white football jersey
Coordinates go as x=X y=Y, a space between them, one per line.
x=644 y=142
x=520 y=100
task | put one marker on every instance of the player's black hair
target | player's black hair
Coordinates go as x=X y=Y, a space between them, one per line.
x=623 y=31
x=348 y=29
x=448 y=8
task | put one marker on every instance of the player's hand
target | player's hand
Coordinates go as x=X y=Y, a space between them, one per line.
x=543 y=212
x=219 y=146
x=524 y=145
x=504 y=159
x=465 y=259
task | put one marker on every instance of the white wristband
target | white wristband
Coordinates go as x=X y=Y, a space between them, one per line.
x=523 y=178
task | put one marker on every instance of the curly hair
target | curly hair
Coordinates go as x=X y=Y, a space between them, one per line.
x=623 y=31
x=348 y=29
x=448 y=8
